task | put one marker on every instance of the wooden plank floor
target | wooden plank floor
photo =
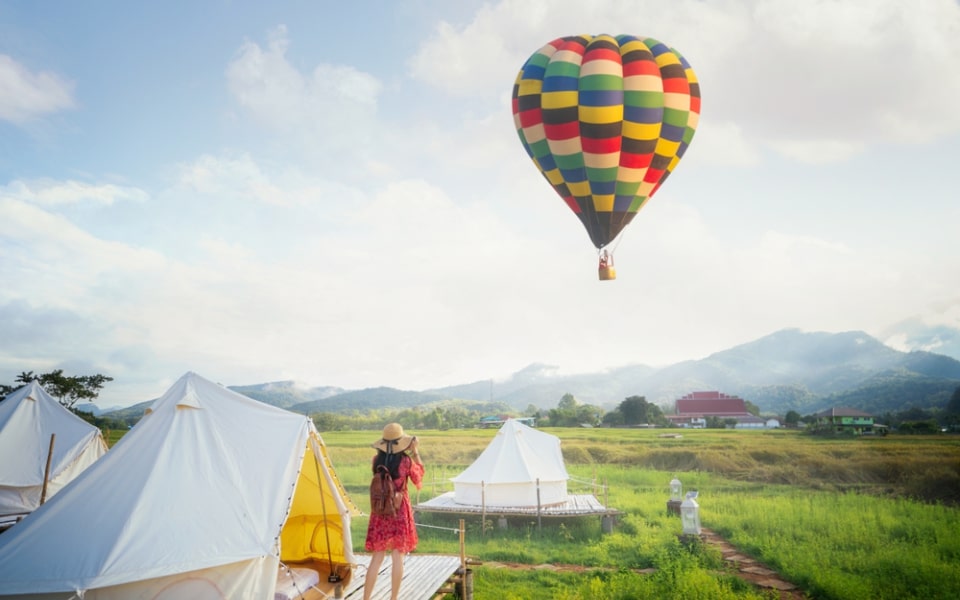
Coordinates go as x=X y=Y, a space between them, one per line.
x=576 y=505
x=423 y=575
x=8 y=521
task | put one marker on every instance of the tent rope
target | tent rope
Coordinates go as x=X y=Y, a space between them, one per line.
x=437 y=527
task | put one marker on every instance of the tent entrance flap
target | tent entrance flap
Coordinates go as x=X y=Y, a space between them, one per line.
x=317 y=528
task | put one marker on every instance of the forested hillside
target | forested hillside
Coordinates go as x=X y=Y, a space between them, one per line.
x=786 y=371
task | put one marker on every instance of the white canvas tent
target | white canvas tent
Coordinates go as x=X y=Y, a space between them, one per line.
x=201 y=499
x=520 y=467
x=28 y=417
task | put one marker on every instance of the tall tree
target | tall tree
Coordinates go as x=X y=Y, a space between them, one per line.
x=634 y=410
x=637 y=411
x=67 y=390
x=565 y=414
x=567 y=403
x=22 y=379
x=792 y=418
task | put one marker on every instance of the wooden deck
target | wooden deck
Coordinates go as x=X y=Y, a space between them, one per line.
x=575 y=506
x=423 y=575
x=8 y=521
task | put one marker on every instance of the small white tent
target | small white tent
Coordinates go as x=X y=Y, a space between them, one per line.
x=202 y=499
x=28 y=417
x=520 y=467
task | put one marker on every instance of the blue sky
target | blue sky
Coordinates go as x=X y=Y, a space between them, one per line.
x=334 y=193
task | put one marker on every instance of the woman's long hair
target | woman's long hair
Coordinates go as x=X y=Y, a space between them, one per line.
x=392 y=462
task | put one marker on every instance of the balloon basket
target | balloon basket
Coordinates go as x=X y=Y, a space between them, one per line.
x=607 y=273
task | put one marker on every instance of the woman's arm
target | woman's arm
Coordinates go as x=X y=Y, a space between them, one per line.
x=413 y=451
x=416 y=466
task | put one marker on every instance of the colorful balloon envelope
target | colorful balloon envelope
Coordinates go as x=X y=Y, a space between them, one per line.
x=606 y=119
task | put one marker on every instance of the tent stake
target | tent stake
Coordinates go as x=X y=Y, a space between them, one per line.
x=46 y=470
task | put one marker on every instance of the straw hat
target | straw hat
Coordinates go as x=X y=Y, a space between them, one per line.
x=393 y=440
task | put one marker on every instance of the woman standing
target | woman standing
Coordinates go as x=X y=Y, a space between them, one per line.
x=397 y=534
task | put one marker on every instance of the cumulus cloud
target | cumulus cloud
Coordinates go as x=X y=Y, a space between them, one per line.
x=50 y=193
x=261 y=194
x=26 y=95
x=234 y=176
x=45 y=251
x=329 y=99
x=444 y=257
x=723 y=143
x=832 y=77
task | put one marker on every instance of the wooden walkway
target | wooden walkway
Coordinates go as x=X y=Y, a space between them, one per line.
x=575 y=506
x=423 y=576
x=8 y=521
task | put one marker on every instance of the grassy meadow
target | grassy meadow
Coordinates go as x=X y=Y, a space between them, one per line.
x=842 y=518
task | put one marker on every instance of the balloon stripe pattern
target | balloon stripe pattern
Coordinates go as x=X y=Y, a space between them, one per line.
x=606 y=119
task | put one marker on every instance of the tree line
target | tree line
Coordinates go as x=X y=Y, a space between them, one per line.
x=68 y=390
x=632 y=411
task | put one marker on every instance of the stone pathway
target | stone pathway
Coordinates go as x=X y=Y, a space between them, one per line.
x=750 y=570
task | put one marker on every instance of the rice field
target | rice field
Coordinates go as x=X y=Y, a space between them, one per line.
x=846 y=518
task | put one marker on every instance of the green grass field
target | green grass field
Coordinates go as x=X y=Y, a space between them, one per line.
x=842 y=518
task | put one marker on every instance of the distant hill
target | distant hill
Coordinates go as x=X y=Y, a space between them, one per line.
x=367 y=399
x=283 y=394
x=786 y=370
x=286 y=394
x=131 y=414
x=90 y=407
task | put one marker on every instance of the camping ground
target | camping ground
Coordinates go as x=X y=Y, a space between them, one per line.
x=840 y=518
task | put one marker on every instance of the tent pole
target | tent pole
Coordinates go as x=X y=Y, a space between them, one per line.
x=483 y=508
x=463 y=551
x=332 y=577
x=539 y=528
x=46 y=470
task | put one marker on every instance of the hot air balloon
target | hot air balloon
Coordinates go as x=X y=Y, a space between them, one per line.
x=606 y=119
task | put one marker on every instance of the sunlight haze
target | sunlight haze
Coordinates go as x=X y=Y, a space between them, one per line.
x=334 y=193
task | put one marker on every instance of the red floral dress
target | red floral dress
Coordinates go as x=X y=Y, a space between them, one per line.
x=398 y=532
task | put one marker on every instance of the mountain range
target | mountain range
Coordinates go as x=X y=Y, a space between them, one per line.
x=783 y=371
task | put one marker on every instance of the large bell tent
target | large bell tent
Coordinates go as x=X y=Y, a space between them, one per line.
x=521 y=466
x=206 y=497
x=29 y=417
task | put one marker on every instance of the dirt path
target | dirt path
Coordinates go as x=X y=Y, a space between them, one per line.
x=746 y=568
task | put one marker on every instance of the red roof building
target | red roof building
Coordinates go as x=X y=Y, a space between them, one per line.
x=693 y=409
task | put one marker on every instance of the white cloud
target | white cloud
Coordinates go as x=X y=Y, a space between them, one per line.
x=45 y=252
x=844 y=74
x=818 y=152
x=335 y=237
x=473 y=59
x=328 y=100
x=831 y=76
x=50 y=193
x=235 y=176
x=721 y=143
x=26 y=95
x=261 y=193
